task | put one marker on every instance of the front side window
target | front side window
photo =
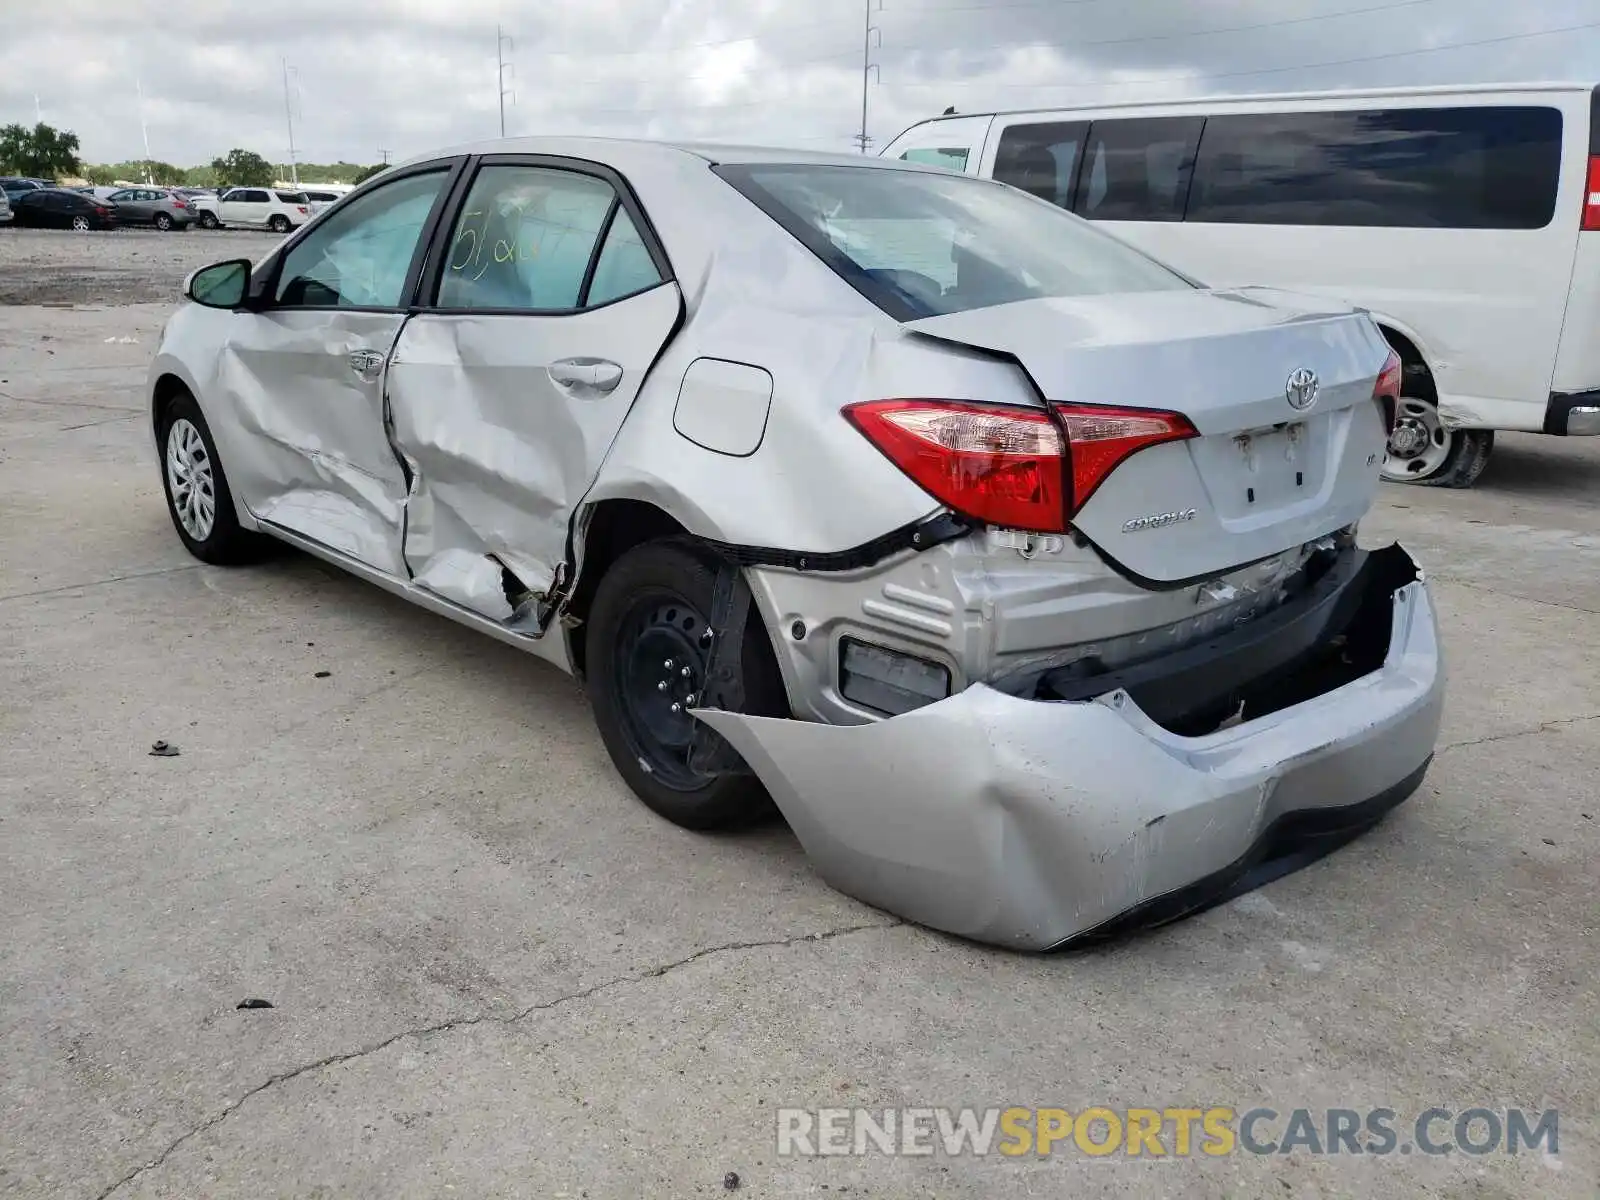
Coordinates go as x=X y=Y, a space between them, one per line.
x=919 y=244
x=524 y=240
x=1041 y=159
x=1138 y=169
x=360 y=257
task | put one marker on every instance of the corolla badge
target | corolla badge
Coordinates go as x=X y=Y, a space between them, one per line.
x=1301 y=390
x=1159 y=520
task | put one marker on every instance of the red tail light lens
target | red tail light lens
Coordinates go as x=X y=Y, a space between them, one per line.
x=1006 y=465
x=1386 y=391
x=1591 y=197
x=302 y=207
x=1102 y=437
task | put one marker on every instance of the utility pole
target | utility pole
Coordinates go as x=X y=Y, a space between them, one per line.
x=288 y=112
x=501 y=41
x=38 y=112
x=144 y=129
x=385 y=156
x=867 y=68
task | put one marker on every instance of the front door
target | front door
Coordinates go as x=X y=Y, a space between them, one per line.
x=306 y=374
x=506 y=393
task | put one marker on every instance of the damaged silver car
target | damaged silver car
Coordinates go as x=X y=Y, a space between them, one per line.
x=1018 y=570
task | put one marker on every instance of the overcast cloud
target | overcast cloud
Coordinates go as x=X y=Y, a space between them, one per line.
x=407 y=76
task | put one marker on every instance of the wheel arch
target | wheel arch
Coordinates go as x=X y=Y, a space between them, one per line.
x=1413 y=362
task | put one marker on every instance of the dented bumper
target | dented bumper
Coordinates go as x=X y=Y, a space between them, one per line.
x=1035 y=824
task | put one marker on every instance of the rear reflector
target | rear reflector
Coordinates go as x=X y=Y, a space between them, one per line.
x=1591 y=197
x=1010 y=466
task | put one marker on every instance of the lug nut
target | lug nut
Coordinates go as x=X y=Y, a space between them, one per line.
x=689 y=699
x=686 y=672
x=677 y=708
x=662 y=686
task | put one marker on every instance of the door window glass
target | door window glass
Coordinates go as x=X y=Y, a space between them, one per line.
x=952 y=158
x=1138 y=169
x=625 y=265
x=361 y=255
x=1041 y=159
x=524 y=239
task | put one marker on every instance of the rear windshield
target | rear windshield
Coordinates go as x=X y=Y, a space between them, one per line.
x=919 y=244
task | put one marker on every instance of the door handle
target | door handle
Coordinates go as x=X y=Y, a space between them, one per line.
x=594 y=374
x=366 y=363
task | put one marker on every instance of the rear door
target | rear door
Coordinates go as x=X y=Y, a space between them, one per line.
x=550 y=302
x=304 y=376
x=244 y=206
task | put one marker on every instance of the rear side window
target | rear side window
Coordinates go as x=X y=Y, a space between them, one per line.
x=1138 y=169
x=951 y=158
x=524 y=239
x=290 y=197
x=1041 y=159
x=1426 y=168
x=624 y=266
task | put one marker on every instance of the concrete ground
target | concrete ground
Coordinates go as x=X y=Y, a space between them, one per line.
x=495 y=973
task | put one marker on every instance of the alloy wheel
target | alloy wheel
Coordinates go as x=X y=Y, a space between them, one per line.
x=190 y=479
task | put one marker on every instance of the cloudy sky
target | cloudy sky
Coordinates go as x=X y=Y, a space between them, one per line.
x=407 y=76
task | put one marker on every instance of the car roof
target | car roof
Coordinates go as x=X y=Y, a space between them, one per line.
x=615 y=151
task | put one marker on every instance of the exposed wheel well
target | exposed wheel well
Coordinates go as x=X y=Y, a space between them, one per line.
x=1417 y=379
x=615 y=527
x=168 y=388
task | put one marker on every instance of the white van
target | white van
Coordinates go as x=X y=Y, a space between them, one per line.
x=1466 y=219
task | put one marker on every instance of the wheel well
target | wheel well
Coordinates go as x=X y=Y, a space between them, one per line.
x=1417 y=379
x=615 y=527
x=168 y=388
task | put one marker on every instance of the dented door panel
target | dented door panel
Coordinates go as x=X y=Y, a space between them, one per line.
x=504 y=425
x=315 y=458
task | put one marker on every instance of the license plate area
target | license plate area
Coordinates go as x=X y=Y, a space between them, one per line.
x=1261 y=470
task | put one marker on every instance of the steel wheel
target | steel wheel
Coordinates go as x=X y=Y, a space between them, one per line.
x=660 y=668
x=80 y=224
x=1419 y=444
x=189 y=476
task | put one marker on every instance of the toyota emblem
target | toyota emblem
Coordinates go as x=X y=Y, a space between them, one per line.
x=1301 y=390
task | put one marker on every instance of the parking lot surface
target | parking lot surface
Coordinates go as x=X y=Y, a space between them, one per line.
x=494 y=973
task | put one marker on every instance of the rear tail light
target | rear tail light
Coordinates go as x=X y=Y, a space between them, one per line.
x=1591 y=197
x=1386 y=391
x=1006 y=465
x=301 y=207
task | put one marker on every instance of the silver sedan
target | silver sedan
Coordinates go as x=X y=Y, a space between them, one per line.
x=1018 y=570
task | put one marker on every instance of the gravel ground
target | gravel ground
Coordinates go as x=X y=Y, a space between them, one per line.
x=130 y=266
x=494 y=973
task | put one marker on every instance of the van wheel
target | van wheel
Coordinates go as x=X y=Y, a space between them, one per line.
x=649 y=645
x=1421 y=450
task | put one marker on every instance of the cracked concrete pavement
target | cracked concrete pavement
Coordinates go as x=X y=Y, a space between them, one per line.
x=494 y=973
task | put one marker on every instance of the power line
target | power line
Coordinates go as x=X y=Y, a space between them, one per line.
x=1340 y=62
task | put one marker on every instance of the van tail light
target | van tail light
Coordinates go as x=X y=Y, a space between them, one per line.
x=1020 y=468
x=1591 y=197
x=1386 y=391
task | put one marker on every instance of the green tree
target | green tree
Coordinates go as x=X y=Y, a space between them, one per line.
x=42 y=152
x=201 y=177
x=243 y=168
x=368 y=172
x=100 y=174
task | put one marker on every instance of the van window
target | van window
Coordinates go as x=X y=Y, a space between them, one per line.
x=952 y=158
x=1439 y=168
x=1041 y=159
x=1138 y=169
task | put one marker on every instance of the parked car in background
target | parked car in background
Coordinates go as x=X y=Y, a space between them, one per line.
x=1465 y=219
x=321 y=199
x=57 y=208
x=152 y=206
x=1019 y=569
x=5 y=209
x=14 y=185
x=258 y=208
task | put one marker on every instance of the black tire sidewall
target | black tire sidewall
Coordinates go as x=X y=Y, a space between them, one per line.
x=228 y=542
x=279 y=224
x=678 y=566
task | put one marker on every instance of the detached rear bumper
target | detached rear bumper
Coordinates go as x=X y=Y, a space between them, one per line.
x=1035 y=824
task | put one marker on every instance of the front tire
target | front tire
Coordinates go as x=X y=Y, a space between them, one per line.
x=648 y=646
x=208 y=220
x=1422 y=451
x=279 y=224
x=198 y=498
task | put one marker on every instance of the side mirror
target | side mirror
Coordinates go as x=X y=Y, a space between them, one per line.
x=221 y=285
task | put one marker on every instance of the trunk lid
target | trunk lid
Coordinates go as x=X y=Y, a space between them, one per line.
x=1263 y=476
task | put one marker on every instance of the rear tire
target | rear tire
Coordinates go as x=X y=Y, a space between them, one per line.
x=279 y=223
x=198 y=497
x=1422 y=451
x=647 y=628
x=163 y=222
x=80 y=224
